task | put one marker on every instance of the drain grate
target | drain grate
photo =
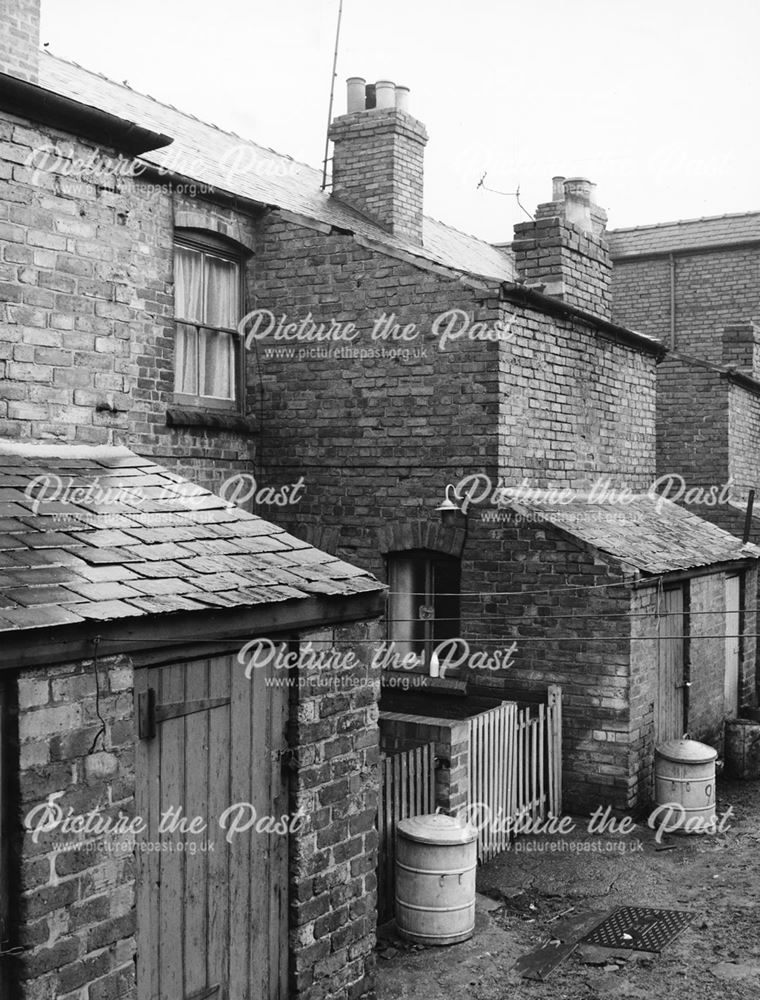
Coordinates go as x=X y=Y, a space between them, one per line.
x=639 y=928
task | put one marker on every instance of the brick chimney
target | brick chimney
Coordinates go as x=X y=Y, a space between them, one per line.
x=377 y=157
x=20 y=38
x=564 y=252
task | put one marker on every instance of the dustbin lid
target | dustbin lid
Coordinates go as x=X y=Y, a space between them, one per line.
x=437 y=828
x=687 y=752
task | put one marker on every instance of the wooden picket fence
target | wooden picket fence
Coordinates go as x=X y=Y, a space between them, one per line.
x=407 y=788
x=515 y=769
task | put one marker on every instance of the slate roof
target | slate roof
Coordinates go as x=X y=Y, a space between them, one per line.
x=100 y=533
x=653 y=535
x=227 y=162
x=670 y=237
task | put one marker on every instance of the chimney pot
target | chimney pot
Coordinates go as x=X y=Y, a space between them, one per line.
x=558 y=188
x=578 y=191
x=385 y=94
x=356 y=94
x=402 y=98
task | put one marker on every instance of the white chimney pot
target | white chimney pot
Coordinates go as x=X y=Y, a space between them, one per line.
x=356 y=96
x=402 y=98
x=385 y=94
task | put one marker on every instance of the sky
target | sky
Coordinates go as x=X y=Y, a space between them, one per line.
x=656 y=101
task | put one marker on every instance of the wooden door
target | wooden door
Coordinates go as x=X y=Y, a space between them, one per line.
x=212 y=920
x=669 y=704
x=733 y=626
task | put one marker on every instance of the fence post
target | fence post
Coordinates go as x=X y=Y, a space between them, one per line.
x=554 y=701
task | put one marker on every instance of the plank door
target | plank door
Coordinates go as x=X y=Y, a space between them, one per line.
x=669 y=704
x=733 y=625
x=212 y=920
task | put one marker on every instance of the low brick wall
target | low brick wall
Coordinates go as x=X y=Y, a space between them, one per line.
x=400 y=731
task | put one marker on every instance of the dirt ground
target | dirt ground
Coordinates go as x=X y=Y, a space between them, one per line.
x=528 y=896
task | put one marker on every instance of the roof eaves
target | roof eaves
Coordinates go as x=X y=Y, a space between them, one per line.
x=20 y=97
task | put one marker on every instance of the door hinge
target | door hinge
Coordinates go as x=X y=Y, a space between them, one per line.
x=149 y=714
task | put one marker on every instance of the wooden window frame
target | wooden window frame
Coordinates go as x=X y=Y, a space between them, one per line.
x=204 y=242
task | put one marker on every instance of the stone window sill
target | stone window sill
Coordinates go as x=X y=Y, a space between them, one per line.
x=393 y=679
x=209 y=420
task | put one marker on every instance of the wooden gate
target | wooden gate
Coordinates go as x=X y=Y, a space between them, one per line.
x=515 y=769
x=407 y=788
x=211 y=905
x=669 y=708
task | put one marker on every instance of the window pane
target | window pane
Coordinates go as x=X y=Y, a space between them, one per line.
x=186 y=360
x=217 y=364
x=188 y=284
x=221 y=292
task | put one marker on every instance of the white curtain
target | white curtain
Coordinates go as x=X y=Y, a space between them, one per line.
x=205 y=292
x=188 y=299
x=217 y=350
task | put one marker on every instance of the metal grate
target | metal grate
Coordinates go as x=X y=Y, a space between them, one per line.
x=639 y=928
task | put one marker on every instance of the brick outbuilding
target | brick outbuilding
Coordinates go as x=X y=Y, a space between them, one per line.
x=128 y=713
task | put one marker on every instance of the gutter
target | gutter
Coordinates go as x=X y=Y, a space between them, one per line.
x=733 y=375
x=522 y=295
x=28 y=100
x=681 y=576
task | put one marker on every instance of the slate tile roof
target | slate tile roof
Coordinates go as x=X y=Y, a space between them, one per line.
x=673 y=236
x=62 y=559
x=651 y=534
x=210 y=156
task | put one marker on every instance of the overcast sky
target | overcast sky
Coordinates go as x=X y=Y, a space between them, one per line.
x=654 y=100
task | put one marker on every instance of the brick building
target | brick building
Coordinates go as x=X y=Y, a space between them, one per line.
x=695 y=286
x=387 y=355
x=198 y=298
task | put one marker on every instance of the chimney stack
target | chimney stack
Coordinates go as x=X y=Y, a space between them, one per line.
x=741 y=348
x=20 y=39
x=564 y=252
x=378 y=150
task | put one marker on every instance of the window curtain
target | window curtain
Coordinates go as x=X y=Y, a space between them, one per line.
x=206 y=292
x=217 y=350
x=188 y=298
